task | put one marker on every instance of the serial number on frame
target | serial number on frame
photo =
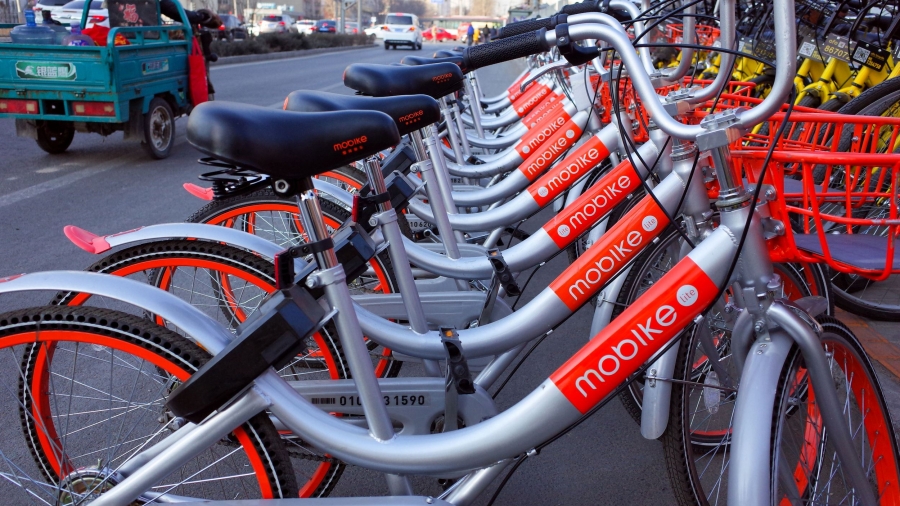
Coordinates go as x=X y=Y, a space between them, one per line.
x=389 y=400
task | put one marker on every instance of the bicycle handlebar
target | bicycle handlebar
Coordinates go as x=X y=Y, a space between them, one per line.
x=502 y=50
x=529 y=25
x=541 y=40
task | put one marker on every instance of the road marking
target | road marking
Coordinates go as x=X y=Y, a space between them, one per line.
x=279 y=105
x=57 y=183
x=54 y=184
x=237 y=65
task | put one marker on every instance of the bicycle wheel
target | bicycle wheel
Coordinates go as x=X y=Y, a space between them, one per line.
x=101 y=400
x=277 y=220
x=273 y=218
x=698 y=464
x=799 y=280
x=801 y=441
x=878 y=300
x=229 y=285
x=810 y=100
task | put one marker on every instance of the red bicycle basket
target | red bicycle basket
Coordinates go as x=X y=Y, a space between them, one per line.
x=836 y=190
x=629 y=100
x=705 y=35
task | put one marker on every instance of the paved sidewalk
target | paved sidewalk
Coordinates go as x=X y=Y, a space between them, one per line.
x=880 y=340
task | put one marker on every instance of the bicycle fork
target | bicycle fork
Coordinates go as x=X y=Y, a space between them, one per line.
x=755 y=288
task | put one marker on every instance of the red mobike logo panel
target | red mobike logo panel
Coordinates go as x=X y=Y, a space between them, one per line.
x=606 y=257
x=546 y=108
x=534 y=138
x=549 y=150
x=567 y=171
x=593 y=204
x=513 y=92
x=631 y=339
x=531 y=99
x=549 y=115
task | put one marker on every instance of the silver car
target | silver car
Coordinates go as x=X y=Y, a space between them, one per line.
x=275 y=23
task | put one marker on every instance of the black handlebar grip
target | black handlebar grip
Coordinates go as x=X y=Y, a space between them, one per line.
x=582 y=7
x=503 y=50
x=529 y=25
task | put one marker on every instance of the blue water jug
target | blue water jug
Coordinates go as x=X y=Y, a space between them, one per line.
x=31 y=33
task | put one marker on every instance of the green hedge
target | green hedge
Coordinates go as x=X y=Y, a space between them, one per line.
x=277 y=42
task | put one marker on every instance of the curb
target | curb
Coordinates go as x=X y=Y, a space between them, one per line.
x=285 y=55
x=876 y=345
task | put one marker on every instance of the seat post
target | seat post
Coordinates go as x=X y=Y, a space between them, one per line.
x=439 y=200
x=455 y=130
x=409 y=292
x=433 y=143
x=331 y=277
x=313 y=222
x=474 y=106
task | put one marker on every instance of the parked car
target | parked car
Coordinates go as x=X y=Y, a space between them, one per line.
x=275 y=23
x=231 y=28
x=306 y=26
x=351 y=27
x=71 y=13
x=401 y=29
x=48 y=5
x=441 y=35
x=326 y=26
x=374 y=30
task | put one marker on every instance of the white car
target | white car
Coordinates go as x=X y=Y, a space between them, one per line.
x=306 y=26
x=401 y=29
x=70 y=14
x=51 y=6
x=275 y=24
x=374 y=30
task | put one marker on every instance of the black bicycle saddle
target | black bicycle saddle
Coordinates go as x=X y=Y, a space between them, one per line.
x=410 y=112
x=421 y=60
x=286 y=144
x=436 y=80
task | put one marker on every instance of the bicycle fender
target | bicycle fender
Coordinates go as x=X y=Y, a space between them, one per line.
x=750 y=465
x=658 y=395
x=96 y=244
x=199 y=327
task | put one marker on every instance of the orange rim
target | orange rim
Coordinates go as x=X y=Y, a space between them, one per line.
x=876 y=429
x=227 y=218
x=347 y=180
x=224 y=270
x=40 y=383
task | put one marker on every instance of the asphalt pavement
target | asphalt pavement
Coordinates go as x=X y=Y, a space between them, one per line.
x=106 y=185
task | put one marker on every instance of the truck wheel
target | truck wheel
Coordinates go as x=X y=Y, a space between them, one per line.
x=386 y=46
x=55 y=137
x=159 y=129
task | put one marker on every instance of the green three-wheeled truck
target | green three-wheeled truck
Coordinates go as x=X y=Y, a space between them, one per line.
x=138 y=88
